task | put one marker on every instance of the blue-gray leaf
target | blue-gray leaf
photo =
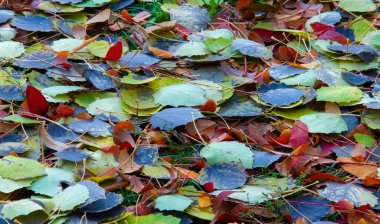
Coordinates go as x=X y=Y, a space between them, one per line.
x=171 y=118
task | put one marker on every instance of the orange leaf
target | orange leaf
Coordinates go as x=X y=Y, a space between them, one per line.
x=359 y=169
x=284 y=137
x=185 y=173
x=210 y=106
x=160 y=53
x=242 y=3
x=64 y=110
x=85 y=43
x=61 y=57
x=204 y=201
x=371 y=181
x=359 y=151
x=125 y=14
x=127 y=125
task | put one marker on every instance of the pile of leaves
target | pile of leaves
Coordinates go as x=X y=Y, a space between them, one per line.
x=199 y=111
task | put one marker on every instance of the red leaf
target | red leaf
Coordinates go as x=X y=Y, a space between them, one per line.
x=115 y=52
x=64 y=110
x=208 y=187
x=126 y=125
x=210 y=105
x=299 y=135
x=320 y=28
x=333 y=35
x=62 y=59
x=37 y=103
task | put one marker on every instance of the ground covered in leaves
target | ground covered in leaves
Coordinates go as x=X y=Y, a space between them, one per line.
x=199 y=111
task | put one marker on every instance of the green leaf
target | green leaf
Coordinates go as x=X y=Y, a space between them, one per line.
x=54 y=7
x=357 y=6
x=372 y=119
x=366 y=140
x=86 y=98
x=140 y=98
x=202 y=213
x=228 y=152
x=361 y=27
x=109 y=107
x=252 y=194
x=251 y=48
x=99 y=48
x=188 y=94
x=8 y=186
x=171 y=202
x=192 y=49
x=219 y=45
x=70 y=197
x=68 y=44
x=93 y=3
x=57 y=90
x=324 y=123
x=293 y=114
x=16 y=168
x=10 y=49
x=18 y=208
x=339 y=94
x=18 y=119
x=100 y=161
x=157 y=218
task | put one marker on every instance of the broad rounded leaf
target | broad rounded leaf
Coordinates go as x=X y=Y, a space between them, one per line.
x=21 y=207
x=172 y=202
x=353 y=193
x=16 y=168
x=223 y=175
x=192 y=49
x=156 y=218
x=251 y=194
x=37 y=59
x=251 y=48
x=70 y=198
x=314 y=209
x=10 y=49
x=228 y=152
x=33 y=23
x=188 y=94
x=324 y=123
x=5 y=15
x=173 y=117
x=282 y=97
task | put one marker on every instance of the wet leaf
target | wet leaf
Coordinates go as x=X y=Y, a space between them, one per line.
x=15 y=168
x=282 y=97
x=324 y=123
x=172 y=202
x=168 y=119
x=223 y=175
x=353 y=193
x=251 y=48
x=228 y=152
x=21 y=207
x=70 y=197
x=33 y=23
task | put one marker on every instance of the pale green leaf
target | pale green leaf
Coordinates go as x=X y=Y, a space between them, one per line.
x=109 y=107
x=157 y=218
x=171 y=202
x=8 y=186
x=252 y=194
x=11 y=49
x=18 y=119
x=357 y=5
x=189 y=94
x=339 y=94
x=16 y=168
x=228 y=152
x=324 y=123
x=57 y=90
x=192 y=49
x=70 y=198
x=21 y=207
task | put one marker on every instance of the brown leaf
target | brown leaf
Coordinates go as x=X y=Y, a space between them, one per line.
x=102 y=16
x=359 y=169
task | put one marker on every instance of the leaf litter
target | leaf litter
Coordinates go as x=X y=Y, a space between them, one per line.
x=208 y=111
